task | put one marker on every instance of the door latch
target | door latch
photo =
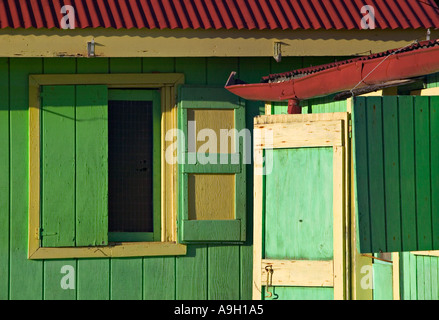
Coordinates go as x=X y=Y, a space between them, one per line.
x=270 y=271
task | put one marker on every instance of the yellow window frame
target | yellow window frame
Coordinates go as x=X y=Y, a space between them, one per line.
x=167 y=84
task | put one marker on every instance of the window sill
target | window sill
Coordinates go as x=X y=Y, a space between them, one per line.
x=124 y=249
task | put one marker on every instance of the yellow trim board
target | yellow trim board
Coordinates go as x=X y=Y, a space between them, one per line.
x=434 y=253
x=167 y=83
x=396 y=276
x=299 y=273
x=426 y=92
x=201 y=43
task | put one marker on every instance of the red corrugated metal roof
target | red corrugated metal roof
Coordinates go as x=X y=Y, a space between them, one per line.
x=220 y=14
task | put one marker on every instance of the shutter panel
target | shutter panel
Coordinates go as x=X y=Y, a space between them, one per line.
x=91 y=165
x=212 y=191
x=396 y=175
x=58 y=166
x=74 y=166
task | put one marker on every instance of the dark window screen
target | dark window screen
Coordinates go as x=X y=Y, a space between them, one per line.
x=130 y=145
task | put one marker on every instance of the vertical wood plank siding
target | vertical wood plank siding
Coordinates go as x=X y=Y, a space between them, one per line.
x=419 y=277
x=201 y=274
x=396 y=173
x=207 y=271
x=4 y=179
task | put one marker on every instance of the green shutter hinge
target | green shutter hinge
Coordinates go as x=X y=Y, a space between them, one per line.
x=39 y=234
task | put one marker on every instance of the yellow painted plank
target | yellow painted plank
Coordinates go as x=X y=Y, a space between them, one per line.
x=426 y=92
x=396 y=275
x=339 y=224
x=200 y=43
x=434 y=253
x=34 y=172
x=257 y=223
x=301 y=273
x=268 y=109
x=129 y=249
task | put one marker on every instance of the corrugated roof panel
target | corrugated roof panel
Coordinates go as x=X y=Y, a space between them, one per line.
x=220 y=14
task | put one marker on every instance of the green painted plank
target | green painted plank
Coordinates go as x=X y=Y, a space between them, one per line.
x=376 y=173
x=300 y=293
x=26 y=276
x=433 y=80
x=422 y=158
x=52 y=268
x=427 y=278
x=152 y=65
x=125 y=65
x=279 y=108
x=4 y=178
x=407 y=173
x=93 y=282
x=291 y=231
x=87 y=267
x=405 y=270
x=326 y=105
x=159 y=278
x=361 y=151
x=91 y=165
x=59 y=65
x=316 y=61
x=191 y=274
x=286 y=64
x=391 y=173
x=194 y=70
x=382 y=280
x=58 y=166
x=413 y=277
x=223 y=272
x=95 y=65
x=434 y=278
x=126 y=279
x=60 y=280
x=211 y=230
x=420 y=277
x=219 y=69
x=434 y=149
x=207 y=97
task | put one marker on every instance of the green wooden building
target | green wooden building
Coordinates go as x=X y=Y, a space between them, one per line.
x=102 y=198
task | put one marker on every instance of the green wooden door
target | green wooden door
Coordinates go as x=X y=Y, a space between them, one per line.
x=299 y=251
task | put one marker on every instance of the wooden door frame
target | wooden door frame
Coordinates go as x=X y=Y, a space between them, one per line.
x=310 y=130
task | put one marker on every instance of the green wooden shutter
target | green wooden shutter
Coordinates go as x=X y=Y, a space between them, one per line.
x=74 y=166
x=396 y=173
x=211 y=99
